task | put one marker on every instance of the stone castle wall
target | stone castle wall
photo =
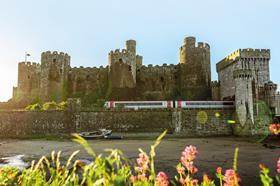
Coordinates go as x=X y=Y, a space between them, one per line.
x=125 y=77
x=183 y=122
x=88 y=82
x=255 y=60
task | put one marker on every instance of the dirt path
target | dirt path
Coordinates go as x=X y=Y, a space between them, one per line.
x=213 y=152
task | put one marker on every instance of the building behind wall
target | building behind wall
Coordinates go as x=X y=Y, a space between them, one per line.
x=125 y=77
x=244 y=77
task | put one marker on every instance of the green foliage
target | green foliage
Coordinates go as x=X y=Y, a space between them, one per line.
x=33 y=107
x=264 y=175
x=263 y=119
x=50 y=106
x=113 y=169
x=8 y=176
x=47 y=106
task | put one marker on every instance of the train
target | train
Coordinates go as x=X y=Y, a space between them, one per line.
x=169 y=104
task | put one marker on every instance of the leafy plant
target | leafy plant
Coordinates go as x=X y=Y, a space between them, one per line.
x=115 y=169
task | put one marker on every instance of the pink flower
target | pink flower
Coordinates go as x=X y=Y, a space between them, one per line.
x=274 y=128
x=219 y=170
x=231 y=178
x=189 y=153
x=195 y=182
x=189 y=165
x=278 y=165
x=143 y=162
x=162 y=179
x=187 y=157
x=180 y=169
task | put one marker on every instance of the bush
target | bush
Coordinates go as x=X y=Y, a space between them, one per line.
x=33 y=107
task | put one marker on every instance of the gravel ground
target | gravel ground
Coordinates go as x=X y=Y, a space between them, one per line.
x=213 y=152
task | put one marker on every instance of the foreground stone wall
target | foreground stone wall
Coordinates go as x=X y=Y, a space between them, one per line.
x=183 y=122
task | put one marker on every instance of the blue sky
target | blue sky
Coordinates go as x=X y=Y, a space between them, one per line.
x=89 y=29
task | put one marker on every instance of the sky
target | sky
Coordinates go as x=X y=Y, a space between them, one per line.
x=88 y=29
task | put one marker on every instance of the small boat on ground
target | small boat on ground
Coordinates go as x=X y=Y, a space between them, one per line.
x=113 y=137
x=101 y=133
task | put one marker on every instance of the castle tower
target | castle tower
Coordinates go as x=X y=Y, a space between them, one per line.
x=123 y=64
x=195 y=69
x=28 y=81
x=243 y=95
x=54 y=75
x=215 y=90
x=131 y=46
x=270 y=90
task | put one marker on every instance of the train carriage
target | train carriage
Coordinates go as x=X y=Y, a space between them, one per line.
x=204 y=104
x=139 y=104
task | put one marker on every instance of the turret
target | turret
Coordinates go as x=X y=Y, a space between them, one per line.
x=195 y=64
x=123 y=64
x=28 y=80
x=270 y=90
x=54 y=75
x=243 y=95
x=215 y=90
x=131 y=46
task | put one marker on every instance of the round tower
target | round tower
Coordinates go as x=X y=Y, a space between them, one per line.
x=270 y=92
x=189 y=42
x=131 y=46
x=28 y=79
x=243 y=95
x=54 y=75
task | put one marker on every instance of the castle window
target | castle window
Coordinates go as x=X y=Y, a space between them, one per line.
x=60 y=71
x=129 y=68
x=120 y=60
x=54 y=60
x=88 y=76
x=161 y=79
x=28 y=77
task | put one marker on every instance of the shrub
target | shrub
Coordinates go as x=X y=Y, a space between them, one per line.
x=33 y=107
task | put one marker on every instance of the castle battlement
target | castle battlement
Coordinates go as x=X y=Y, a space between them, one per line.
x=255 y=53
x=55 y=54
x=244 y=54
x=190 y=42
x=242 y=74
x=48 y=53
x=29 y=64
x=215 y=84
x=120 y=52
x=270 y=86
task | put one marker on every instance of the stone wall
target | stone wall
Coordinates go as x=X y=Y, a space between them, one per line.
x=183 y=122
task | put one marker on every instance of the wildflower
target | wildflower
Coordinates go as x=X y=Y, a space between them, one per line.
x=143 y=162
x=278 y=165
x=274 y=128
x=231 y=178
x=187 y=157
x=219 y=170
x=194 y=182
x=189 y=153
x=180 y=169
x=206 y=180
x=162 y=179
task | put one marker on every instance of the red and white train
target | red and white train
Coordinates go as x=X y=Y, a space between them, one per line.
x=169 y=104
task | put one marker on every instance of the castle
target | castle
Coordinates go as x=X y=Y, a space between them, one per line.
x=243 y=76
